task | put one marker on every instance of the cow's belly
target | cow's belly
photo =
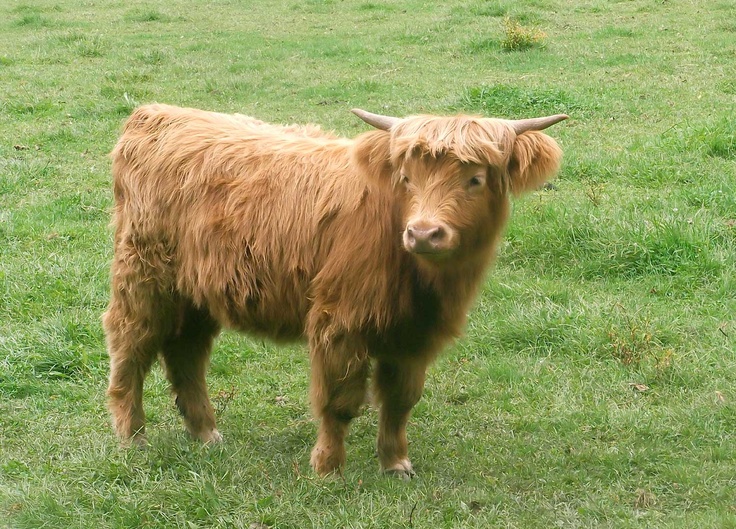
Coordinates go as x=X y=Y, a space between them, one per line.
x=283 y=327
x=275 y=311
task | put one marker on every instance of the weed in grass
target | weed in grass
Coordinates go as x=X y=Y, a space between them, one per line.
x=635 y=344
x=223 y=399
x=518 y=37
x=594 y=192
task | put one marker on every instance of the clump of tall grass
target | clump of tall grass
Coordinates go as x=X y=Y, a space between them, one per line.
x=518 y=37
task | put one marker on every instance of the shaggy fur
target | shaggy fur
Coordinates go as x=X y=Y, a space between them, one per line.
x=292 y=233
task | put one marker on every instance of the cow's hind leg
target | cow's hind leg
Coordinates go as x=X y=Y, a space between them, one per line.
x=133 y=334
x=339 y=376
x=136 y=322
x=398 y=387
x=185 y=355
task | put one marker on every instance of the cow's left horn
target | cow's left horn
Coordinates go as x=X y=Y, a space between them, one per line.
x=376 y=120
x=523 y=125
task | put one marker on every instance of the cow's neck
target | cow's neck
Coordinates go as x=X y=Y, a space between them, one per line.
x=455 y=285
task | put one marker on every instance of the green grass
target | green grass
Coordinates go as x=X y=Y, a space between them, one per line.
x=595 y=384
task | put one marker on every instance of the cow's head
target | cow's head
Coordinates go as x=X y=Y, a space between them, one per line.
x=454 y=174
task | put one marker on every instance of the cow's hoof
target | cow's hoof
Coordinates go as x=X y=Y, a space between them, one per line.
x=325 y=463
x=402 y=470
x=210 y=437
x=137 y=441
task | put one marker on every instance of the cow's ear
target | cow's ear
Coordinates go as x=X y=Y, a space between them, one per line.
x=372 y=155
x=535 y=159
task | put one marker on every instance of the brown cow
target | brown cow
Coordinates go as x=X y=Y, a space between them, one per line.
x=370 y=249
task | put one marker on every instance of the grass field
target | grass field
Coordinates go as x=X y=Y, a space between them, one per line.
x=596 y=383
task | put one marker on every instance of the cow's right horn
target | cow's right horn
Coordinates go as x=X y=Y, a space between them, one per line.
x=523 y=125
x=376 y=120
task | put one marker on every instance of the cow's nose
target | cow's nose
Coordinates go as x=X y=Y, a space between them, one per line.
x=425 y=238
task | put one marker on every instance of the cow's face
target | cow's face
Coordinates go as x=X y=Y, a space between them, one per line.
x=452 y=176
x=448 y=205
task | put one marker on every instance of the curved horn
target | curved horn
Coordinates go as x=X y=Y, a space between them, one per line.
x=523 y=125
x=376 y=120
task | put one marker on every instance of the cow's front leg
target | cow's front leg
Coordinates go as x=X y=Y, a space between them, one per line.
x=339 y=373
x=398 y=387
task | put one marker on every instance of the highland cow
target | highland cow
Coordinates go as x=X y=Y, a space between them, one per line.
x=370 y=249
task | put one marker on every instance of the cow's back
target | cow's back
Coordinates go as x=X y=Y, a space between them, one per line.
x=236 y=213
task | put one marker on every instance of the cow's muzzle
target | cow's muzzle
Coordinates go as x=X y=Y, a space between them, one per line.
x=432 y=239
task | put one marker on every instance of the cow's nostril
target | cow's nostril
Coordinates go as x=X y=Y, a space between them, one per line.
x=436 y=235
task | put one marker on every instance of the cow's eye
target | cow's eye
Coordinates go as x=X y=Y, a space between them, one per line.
x=476 y=181
x=404 y=179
